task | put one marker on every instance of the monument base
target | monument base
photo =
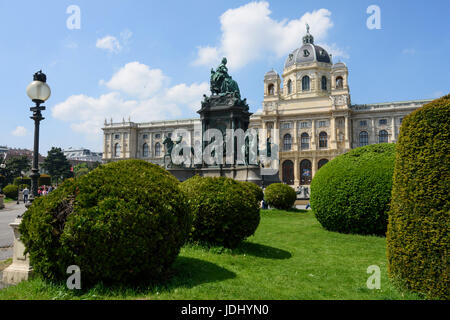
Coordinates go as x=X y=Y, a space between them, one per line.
x=250 y=173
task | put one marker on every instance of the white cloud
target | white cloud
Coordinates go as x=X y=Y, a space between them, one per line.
x=207 y=56
x=19 y=131
x=249 y=34
x=137 y=79
x=409 y=51
x=109 y=43
x=148 y=97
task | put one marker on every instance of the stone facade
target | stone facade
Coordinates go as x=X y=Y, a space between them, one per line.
x=310 y=105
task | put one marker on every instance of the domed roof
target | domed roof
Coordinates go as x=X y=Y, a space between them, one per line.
x=271 y=74
x=339 y=65
x=309 y=52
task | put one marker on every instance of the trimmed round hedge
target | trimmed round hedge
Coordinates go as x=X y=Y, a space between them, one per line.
x=280 y=196
x=418 y=238
x=351 y=194
x=124 y=222
x=224 y=211
x=258 y=192
x=10 y=191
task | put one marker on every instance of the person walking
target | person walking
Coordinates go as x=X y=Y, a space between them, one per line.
x=26 y=192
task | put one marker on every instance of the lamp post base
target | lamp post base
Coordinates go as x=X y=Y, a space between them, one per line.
x=20 y=269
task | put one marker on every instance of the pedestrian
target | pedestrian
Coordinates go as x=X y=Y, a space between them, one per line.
x=308 y=206
x=26 y=192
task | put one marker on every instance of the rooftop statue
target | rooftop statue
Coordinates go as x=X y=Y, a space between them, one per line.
x=221 y=81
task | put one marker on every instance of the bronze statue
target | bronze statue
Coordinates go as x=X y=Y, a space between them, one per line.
x=221 y=81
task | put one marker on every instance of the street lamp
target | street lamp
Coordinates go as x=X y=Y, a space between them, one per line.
x=39 y=92
x=18 y=185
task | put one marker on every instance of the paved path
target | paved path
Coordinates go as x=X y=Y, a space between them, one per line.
x=8 y=215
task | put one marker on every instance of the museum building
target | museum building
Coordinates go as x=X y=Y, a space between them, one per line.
x=310 y=106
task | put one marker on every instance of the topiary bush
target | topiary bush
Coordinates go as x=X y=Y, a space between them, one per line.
x=10 y=191
x=225 y=211
x=280 y=196
x=44 y=180
x=351 y=194
x=258 y=192
x=124 y=222
x=418 y=238
x=22 y=180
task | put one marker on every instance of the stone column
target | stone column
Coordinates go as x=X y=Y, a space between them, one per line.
x=394 y=131
x=333 y=143
x=347 y=133
x=373 y=136
x=296 y=172
x=296 y=148
x=20 y=269
x=313 y=167
x=313 y=135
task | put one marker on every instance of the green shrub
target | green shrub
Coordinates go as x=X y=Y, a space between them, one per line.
x=418 y=238
x=280 y=196
x=10 y=191
x=351 y=194
x=23 y=180
x=224 y=211
x=44 y=180
x=258 y=192
x=123 y=222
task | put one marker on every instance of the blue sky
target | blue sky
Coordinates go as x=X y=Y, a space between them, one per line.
x=151 y=60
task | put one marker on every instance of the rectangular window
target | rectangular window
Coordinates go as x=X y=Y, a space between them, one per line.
x=363 y=123
x=382 y=122
x=157 y=136
x=287 y=125
x=401 y=119
x=304 y=124
x=322 y=124
x=145 y=136
x=117 y=136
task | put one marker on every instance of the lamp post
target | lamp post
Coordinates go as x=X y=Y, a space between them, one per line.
x=18 y=185
x=39 y=92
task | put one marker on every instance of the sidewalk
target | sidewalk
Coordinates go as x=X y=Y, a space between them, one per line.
x=8 y=215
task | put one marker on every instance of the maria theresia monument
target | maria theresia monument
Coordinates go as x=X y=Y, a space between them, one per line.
x=223 y=145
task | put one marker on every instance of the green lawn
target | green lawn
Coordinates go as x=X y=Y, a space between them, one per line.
x=290 y=257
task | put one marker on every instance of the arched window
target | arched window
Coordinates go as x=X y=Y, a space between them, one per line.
x=322 y=162
x=287 y=142
x=363 y=139
x=289 y=86
x=305 y=83
x=339 y=83
x=305 y=141
x=288 y=172
x=117 y=150
x=324 y=83
x=383 y=136
x=271 y=89
x=305 y=172
x=157 y=149
x=323 y=140
x=145 y=150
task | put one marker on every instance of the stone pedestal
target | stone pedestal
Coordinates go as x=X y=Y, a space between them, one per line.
x=1 y=201
x=20 y=269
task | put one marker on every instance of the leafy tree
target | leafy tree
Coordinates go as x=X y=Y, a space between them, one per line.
x=57 y=165
x=13 y=167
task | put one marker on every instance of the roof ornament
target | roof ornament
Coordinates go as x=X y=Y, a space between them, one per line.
x=308 y=38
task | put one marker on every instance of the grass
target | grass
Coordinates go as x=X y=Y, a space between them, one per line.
x=290 y=257
x=7 y=200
